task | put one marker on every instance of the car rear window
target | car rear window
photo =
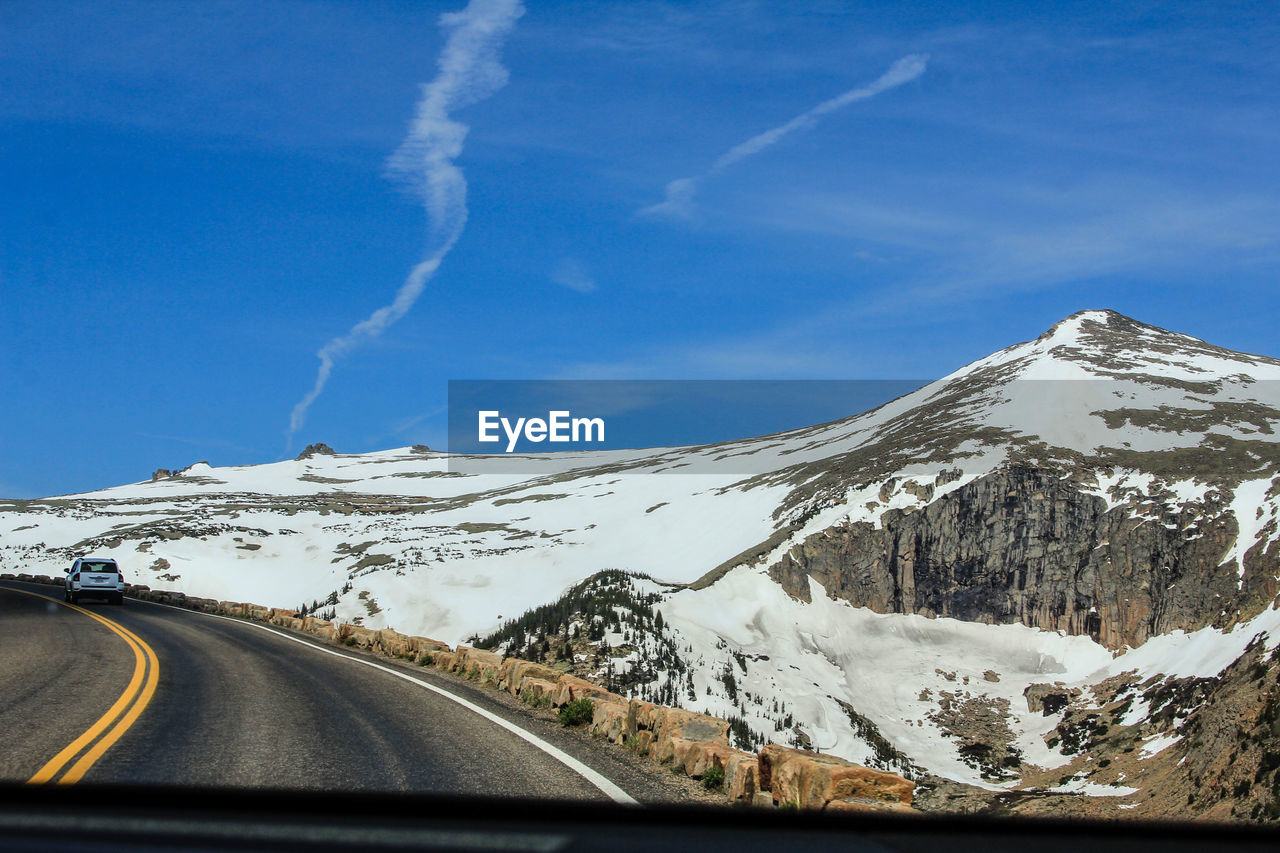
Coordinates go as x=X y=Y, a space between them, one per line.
x=98 y=567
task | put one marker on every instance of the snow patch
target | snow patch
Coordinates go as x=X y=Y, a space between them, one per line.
x=1157 y=744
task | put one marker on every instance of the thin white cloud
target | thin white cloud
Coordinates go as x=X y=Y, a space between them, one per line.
x=679 y=194
x=406 y=424
x=1007 y=238
x=572 y=274
x=470 y=70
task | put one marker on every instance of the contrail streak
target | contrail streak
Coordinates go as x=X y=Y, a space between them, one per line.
x=679 y=194
x=470 y=70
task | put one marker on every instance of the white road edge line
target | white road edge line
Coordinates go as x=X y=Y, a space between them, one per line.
x=606 y=787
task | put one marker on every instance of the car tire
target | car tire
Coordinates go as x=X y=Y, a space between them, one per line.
x=73 y=598
x=118 y=600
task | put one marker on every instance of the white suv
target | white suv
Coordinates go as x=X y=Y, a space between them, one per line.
x=94 y=577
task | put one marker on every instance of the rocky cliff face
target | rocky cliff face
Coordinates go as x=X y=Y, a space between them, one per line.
x=1032 y=545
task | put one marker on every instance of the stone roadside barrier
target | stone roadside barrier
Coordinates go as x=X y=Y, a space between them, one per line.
x=688 y=742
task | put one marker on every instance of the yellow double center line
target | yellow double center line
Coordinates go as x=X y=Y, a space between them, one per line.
x=109 y=728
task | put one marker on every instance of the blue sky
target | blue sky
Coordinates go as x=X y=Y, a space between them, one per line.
x=195 y=199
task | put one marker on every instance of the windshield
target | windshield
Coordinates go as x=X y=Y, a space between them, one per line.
x=854 y=409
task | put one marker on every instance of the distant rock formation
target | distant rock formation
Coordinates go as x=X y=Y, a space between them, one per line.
x=317 y=449
x=165 y=473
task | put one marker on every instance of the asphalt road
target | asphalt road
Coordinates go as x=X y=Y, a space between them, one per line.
x=241 y=706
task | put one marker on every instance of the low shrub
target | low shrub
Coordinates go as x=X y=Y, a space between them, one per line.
x=577 y=713
x=713 y=778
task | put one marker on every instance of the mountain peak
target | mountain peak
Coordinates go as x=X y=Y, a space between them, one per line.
x=1103 y=343
x=1095 y=323
x=1089 y=315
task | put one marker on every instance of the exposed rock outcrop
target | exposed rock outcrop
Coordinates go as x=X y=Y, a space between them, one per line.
x=317 y=449
x=1030 y=545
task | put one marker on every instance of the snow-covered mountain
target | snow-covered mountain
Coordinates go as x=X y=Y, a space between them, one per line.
x=959 y=584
